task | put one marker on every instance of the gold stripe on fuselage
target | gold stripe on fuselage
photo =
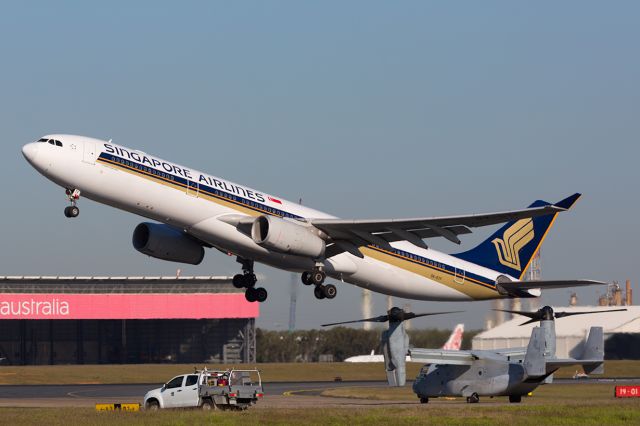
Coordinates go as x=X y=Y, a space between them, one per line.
x=472 y=288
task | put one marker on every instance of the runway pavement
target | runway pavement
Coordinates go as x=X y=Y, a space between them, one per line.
x=278 y=393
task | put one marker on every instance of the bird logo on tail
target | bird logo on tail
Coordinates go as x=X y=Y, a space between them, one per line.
x=513 y=240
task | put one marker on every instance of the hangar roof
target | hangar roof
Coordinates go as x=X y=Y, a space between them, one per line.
x=578 y=325
x=155 y=284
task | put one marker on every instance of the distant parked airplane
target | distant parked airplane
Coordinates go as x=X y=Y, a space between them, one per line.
x=452 y=344
x=197 y=210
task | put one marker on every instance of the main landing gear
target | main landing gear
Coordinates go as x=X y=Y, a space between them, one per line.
x=248 y=280
x=72 y=196
x=317 y=277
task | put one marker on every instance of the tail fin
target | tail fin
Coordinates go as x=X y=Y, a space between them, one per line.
x=455 y=340
x=511 y=248
x=594 y=349
x=534 y=361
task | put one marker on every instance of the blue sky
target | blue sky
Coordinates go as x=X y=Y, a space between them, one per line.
x=364 y=109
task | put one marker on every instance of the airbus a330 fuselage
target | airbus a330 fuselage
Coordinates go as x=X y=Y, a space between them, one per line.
x=197 y=210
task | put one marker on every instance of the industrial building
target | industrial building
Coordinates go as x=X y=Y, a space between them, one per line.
x=93 y=320
x=620 y=328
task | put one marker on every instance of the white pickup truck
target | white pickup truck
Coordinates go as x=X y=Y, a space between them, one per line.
x=209 y=390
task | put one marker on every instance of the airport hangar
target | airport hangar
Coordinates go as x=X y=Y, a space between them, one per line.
x=96 y=320
x=621 y=332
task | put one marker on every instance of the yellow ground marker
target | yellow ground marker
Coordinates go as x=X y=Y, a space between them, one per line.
x=118 y=407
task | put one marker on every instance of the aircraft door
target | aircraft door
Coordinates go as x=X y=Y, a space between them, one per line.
x=89 y=155
x=193 y=188
x=459 y=276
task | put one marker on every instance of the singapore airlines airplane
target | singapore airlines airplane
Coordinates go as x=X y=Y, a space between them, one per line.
x=454 y=343
x=198 y=210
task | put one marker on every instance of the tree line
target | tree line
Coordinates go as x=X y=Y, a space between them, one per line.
x=339 y=342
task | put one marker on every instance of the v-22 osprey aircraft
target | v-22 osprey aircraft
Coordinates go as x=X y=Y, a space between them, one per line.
x=196 y=210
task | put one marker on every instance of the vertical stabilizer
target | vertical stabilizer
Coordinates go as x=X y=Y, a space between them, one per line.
x=534 y=361
x=594 y=349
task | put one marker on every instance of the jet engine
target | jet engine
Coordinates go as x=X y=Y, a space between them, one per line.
x=286 y=237
x=167 y=243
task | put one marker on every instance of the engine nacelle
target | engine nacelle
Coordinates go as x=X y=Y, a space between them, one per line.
x=166 y=243
x=286 y=237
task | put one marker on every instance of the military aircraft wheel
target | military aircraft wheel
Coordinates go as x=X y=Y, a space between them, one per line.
x=515 y=398
x=319 y=292
x=424 y=400
x=261 y=294
x=238 y=281
x=329 y=291
x=473 y=399
x=250 y=295
x=318 y=276
x=306 y=278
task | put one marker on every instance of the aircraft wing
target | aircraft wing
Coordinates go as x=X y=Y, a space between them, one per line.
x=442 y=356
x=349 y=235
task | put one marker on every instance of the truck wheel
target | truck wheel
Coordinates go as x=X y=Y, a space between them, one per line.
x=153 y=406
x=208 y=405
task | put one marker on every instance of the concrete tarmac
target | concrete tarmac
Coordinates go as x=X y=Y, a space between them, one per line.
x=282 y=394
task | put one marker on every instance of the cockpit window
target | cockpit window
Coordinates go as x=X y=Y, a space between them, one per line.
x=43 y=140
x=58 y=143
x=52 y=142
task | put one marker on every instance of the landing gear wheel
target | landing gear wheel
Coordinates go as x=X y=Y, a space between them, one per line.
x=306 y=278
x=515 y=398
x=261 y=294
x=317 y=277
x=71 y=211
x=473 y=399
x=238 y=281
x=319 y=292
x=250 y=295
x=329 y=291
x=250 y=280
x=424 y=400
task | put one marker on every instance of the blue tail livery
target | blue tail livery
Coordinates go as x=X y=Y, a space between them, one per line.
x=510 y=249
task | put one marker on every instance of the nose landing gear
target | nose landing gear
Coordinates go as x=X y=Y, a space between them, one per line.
x=72 y=196
x=248 y=280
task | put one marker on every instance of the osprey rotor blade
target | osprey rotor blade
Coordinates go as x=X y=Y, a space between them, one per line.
x=567 y=314
x=411 y=315
x=533 y=315
x=381 y=318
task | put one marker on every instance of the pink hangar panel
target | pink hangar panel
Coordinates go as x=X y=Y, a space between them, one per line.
x=126 y=306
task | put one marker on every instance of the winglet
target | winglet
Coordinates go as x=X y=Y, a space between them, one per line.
x=568 y=202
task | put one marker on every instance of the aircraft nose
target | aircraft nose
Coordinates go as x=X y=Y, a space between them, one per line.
x=30 y=151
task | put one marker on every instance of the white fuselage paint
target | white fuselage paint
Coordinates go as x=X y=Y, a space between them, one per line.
x=74 y=166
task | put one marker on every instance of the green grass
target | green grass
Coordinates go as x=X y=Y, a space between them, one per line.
x=160 y=373
x=622 y=412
